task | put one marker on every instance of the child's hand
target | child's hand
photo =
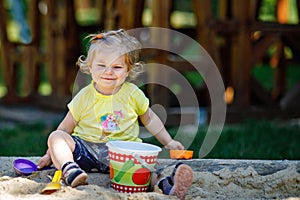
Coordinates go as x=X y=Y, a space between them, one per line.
x=174 y=145
x=44 y=161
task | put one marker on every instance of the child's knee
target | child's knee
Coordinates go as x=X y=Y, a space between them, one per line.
x=59 y=135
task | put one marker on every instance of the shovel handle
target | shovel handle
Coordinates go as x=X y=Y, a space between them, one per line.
x=57 y=176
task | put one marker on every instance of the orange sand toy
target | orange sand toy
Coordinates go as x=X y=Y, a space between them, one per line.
x=181 y=154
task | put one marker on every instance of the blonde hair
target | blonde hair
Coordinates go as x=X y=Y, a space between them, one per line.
x=117 y=40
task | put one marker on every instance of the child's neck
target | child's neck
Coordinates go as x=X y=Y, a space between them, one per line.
x=108 y=91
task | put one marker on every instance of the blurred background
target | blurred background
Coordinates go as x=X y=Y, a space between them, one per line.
x=254 y=43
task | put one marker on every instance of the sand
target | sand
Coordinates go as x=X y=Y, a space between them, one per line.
x=214 y=179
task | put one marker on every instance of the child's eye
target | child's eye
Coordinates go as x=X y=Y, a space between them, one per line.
x=101 y=65
x=118 y=66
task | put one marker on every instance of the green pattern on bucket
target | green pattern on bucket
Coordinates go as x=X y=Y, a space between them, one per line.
x=130 y=174
x=126 y=166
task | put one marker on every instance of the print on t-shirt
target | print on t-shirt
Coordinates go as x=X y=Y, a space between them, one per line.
x=110 y=121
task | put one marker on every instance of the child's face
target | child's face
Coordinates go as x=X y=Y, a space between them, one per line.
x=109 y=72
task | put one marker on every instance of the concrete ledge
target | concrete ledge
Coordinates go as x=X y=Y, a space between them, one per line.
x=213 y=179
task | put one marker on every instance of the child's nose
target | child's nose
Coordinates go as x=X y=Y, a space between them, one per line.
x=108 y=69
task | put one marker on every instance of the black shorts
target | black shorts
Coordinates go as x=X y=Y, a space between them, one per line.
x=91 y=157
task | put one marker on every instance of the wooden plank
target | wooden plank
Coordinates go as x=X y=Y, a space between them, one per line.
x=137 y=13
x=58 y=37
x=72 y=41
x=28 y=66
x=100 y=5
x=206 y=36
x=254 y=10
x=61 y=54
x=222 y=9
x=161 y=13
x=30 y=52
x=161 y=18
x=110 y=21
x=274 y=27
x=122 y=12
x=280 y=72
x=21 y=55
x=129 y=13
x=218 y=166
x=51 y=60
x=231 y=26
x=240 y=55
x=5 y=50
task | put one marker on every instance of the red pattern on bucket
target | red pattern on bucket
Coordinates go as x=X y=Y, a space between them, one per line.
x=128 y=189
x=123 y=157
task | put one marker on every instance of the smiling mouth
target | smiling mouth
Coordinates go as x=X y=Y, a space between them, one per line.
x=109 y=79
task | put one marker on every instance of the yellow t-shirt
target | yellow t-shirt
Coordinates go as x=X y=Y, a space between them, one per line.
x=108 y=117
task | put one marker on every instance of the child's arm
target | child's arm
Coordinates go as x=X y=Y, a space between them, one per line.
x=45 y=160
x=68 y=124
x=155 y=126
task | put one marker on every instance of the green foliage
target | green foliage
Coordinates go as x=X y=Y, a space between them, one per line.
x=251 y=139
x=267 y=10
x=293 y=75
x=264 y=74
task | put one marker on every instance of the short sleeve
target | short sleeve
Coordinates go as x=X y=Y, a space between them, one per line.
x=141 y=102
x=76 y=105
x=71 y=106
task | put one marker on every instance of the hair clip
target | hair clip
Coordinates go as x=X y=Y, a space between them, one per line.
x=99 y=36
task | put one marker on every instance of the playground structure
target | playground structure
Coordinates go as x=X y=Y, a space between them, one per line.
x=229 y=30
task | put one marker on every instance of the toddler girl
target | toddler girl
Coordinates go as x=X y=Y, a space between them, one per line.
x=108 y=109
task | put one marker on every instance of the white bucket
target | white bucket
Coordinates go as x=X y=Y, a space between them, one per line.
x=127 y=174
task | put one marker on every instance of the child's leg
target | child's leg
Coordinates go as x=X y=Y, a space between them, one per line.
x=61 y=147
x=179 y=182
x=86 y=159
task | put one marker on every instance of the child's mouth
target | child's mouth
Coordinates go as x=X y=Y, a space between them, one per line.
x=109 y=79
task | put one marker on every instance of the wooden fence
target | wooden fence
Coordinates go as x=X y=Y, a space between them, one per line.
x=56 y=37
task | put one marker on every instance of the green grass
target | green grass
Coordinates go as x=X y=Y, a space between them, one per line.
x=24 y=140
x=258 y=140
x=248 y=140
x=251 y=140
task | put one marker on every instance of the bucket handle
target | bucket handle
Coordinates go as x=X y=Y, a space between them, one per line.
x=145 y=164
x=159 y=169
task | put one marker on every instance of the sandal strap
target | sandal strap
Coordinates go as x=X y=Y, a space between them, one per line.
x=65 y=165
x=71 y=177
x=71 y=171
x=160 y=169
x=175 y=169
x=166 y=185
